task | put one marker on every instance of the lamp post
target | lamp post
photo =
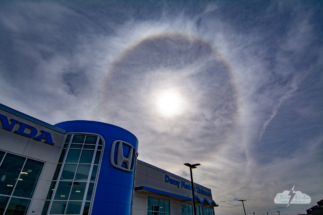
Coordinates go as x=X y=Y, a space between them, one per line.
x=192 y=166
x=278 y=212
x=243 y=205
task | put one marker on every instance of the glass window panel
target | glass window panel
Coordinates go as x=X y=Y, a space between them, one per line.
x=76 y=146
x=61 y=158
x=86 y=208
x=9 y=172
x=73 y=208
x=17 y=206
x=166 y=205
x=58 y=168
x=3 y=203
x=73 y=156
x=100 y=142
x=86 y=156
x=63 y=190
x=51 y=190
x=28 y=179
x=82 y=172
x=161 y=205
x=99 y=147
x=45 y=209
x=97 y=157
x=90 y=192
x=78 y=139
x=68 y=172
x=190 y=211
x=66 y=145
x=78 y=191
x=58 y=207
x=185 y=208
x=90 y=140
x=94 y=171
x=149 y=213
x=68 y=139
x=1 y=155
x=89 y=146
x=150 y=203
x=197 y=211
x=201 y=210
x=156 y=204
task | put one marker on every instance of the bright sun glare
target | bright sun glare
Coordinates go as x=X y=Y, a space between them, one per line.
x=169 y=103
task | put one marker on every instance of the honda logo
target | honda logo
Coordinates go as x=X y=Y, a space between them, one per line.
x=120 y=158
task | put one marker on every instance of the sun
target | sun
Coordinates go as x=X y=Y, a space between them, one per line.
x=169 y=103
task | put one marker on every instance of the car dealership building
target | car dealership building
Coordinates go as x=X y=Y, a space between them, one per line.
x=85 y=167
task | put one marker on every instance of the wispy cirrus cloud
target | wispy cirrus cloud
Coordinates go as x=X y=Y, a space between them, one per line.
x=253 y=125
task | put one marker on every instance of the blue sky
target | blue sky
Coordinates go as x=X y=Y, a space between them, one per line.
x=248 y=76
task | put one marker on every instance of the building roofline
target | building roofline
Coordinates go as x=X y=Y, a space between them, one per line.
x=157 y=168
x=29 y=118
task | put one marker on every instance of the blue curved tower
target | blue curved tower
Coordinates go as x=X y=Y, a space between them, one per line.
x=113 y=189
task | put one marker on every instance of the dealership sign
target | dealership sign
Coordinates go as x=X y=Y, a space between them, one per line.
x=26 y=130
x=186 y=185
x=119 y=160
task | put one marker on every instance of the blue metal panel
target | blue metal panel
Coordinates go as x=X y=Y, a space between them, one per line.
x=115 y=187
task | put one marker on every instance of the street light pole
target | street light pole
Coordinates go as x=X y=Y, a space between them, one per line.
x=243 y=206
x=192 y=166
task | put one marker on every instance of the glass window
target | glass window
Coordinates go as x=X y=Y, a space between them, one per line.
x=68 y=139
x=51 y=189
x=18 y=177
x=58 y=169
x=157 y=206
x=17 y=206
x=86 y=208
x=150 y=203
x=66 y=145
x=190 y=210
x=9 y=172
x=61 y=158
x=78 y=191
x=3 y=203
x=73 y=156
x=187 y=209
x=94 y=171
x=90 y=192
x=78 y=139
x=201 y=210
x=45 y=209
x=166 y=205
x=76 y=146
x=28 y=179
x=90 y=140
x=97 y=157
x=74 y=208
x=161 y=205
x=89 y=146
x=82 y=172
x=58 y=207
x=87 y=156
x=75 y=186
x=63 y=190
x=68 y=171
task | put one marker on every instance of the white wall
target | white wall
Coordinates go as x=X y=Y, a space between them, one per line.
x=30 y=148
